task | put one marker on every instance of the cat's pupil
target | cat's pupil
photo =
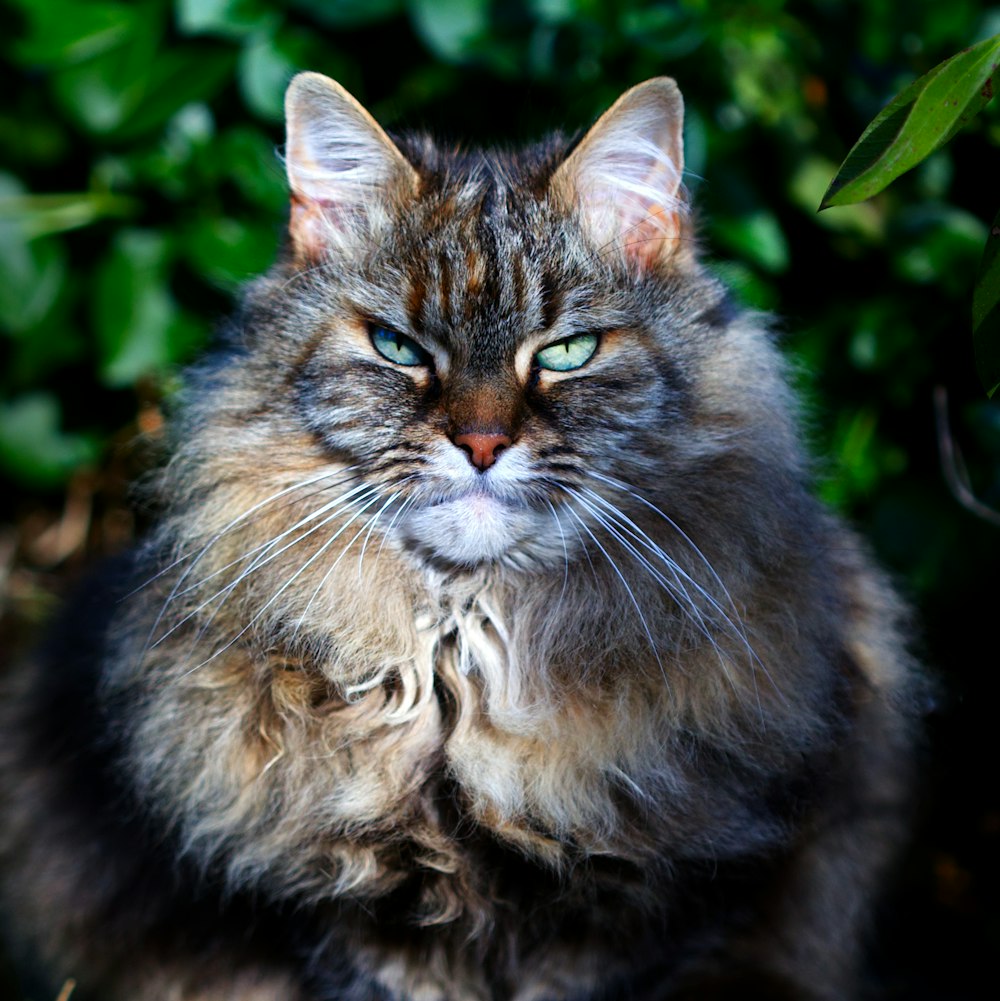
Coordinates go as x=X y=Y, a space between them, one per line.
x=397 y=347
x=568 y=354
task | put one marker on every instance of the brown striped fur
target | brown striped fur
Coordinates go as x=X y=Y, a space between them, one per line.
x=625 y=714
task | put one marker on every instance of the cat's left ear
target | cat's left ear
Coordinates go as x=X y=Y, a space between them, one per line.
x=343 y=169
x=624 y=177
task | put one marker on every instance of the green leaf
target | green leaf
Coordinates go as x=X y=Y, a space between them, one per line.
x=937 y=244
x=747 y=285
x=227 y=252
x=32 y=272
x=137 y=87
x=226 y=18
x=63 y=32
x=449 y=28
x=102 y=92
x=264 y=72
x=32 y=445
x=248 y=158
x=139 y=325
x=864 y=220
x=757 y=237
x=918 y=121
x=43 y=215
x=32 y=275
x=176 y=78
x=986 y=312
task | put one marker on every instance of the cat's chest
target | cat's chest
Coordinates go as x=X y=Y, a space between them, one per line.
x=539 y=764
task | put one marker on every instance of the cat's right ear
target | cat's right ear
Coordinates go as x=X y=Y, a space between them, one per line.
x=343 y=169
x=624 y=177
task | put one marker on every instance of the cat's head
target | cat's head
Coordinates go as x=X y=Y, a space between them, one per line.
x=496 y=343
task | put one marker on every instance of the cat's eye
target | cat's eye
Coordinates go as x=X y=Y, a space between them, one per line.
x=397 y=347
x=567 y=354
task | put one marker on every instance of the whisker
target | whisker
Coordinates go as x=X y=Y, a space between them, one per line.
x=266 y=557
x=288 y=583
x=312 y=516
x=562 y=535
x=369 y=524
x=407 y=502
x=268 y=500
x=374 y=521
x=735 y=621
x=673 y=524
x=687 y=605
x=219 y=535
x=628 y=526
x=674 y=587
x=576 y=531
x=621 y=577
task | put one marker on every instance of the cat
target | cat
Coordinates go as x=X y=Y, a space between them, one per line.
x=491 y=644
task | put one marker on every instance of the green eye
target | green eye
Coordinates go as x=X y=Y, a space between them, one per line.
x=567 y=354
x=397 y=347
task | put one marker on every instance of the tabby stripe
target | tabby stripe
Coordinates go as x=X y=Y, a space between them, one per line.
x=519 y=285
x=551 y=301
x=415 y=300
x=444 y=291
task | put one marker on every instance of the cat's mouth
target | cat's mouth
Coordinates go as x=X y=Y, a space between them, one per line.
x=471 y=527
x=461 y=517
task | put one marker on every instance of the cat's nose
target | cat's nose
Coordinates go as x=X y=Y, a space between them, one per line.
x=482 y=449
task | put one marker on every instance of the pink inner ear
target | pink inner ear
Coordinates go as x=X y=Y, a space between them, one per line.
x=341 y=167
x=306 y=226
x=625 y=175
x=653 y=237
x=641 y=183
x=310 y=224
x=644 y=217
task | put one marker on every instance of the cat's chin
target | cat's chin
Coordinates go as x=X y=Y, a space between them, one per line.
x=472 y=530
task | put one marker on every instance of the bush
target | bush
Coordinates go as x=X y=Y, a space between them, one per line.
x=141 y=187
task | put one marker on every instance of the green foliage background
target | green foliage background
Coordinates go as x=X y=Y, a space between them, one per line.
x=139 y=186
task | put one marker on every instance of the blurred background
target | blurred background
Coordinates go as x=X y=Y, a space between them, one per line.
x=139 y=186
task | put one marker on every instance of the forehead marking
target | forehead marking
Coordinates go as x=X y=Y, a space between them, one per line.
x=474 y=280
x=551 y=301
x=444 y=288
x=415 y=298
x=519 y=282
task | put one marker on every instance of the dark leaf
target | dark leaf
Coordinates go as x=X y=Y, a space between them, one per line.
x=34 y=448
x=917 y=122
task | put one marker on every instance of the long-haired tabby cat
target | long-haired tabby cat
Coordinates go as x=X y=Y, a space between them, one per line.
x=491 y=644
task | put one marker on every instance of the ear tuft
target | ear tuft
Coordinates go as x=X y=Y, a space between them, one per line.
x=343 y=169
x=624 y=178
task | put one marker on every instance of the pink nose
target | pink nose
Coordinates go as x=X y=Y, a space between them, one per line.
x=482 y=449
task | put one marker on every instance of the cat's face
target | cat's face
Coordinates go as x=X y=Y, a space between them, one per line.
x=484 y=338
x=481 y=367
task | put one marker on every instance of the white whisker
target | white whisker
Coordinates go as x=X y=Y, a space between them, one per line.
x=262 y=560
x=677 y=592
x=388 y=529
x=673 y=524
x=219 y=535
x=312 y=516
x=628 y=526
x=369 y=524
x=735 y=621
x=621 y=577
x=562 y=535
x=288 y=583
x=374 y=521
x=674 y=587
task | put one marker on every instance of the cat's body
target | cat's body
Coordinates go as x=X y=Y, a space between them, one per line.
x=491 y=645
